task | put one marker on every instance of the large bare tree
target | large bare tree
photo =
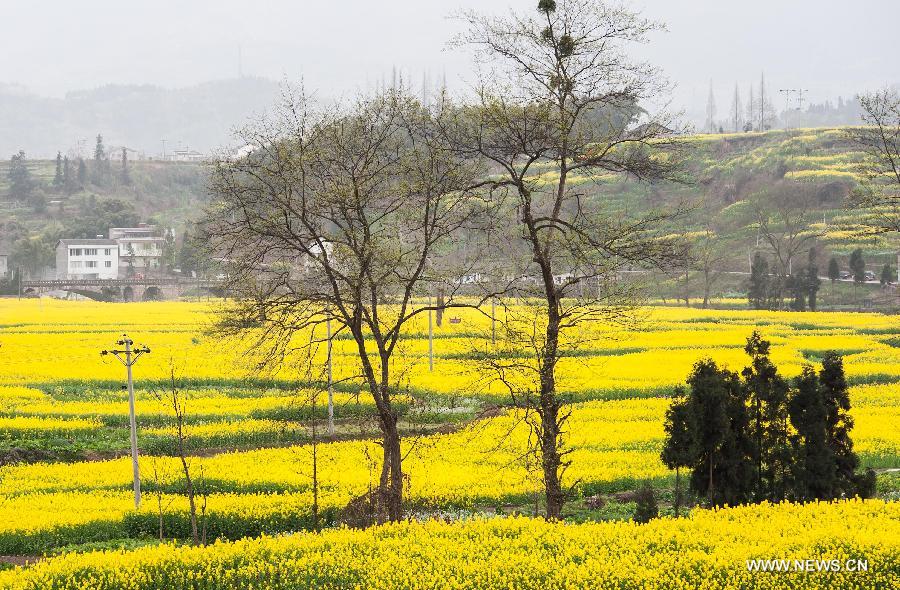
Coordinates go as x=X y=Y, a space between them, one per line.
x=784 y=213
x=342 y=214
x=558 y=103
x=880 y=139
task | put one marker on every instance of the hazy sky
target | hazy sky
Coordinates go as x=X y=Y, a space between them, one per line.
x=827 y=46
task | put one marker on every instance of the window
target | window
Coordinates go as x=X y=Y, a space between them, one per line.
x=107 y=251
x=75 y=264
x=90 y=251
x=91 y=264
x=108 y=264
x=75 y=252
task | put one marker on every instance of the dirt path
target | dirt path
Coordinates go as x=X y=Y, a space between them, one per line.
x=20 y=560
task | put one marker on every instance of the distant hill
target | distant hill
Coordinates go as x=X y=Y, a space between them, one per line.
x=727 y=173
x=139 y=117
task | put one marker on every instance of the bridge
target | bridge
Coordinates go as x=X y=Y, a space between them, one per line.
x=130 y=289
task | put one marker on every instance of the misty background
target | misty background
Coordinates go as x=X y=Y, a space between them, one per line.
x=168 y=74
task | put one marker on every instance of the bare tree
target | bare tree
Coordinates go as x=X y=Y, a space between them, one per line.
x=347 y=215
x=175 y=401
x=711 y=110
x=737 y=110
x=880 y=139
x=158 y=488
x=563 y=102
x=784 y=213
x=710 y=249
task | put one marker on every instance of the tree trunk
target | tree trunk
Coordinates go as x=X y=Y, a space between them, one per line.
x=549 y=412
x=189 y=486
x=677 y=490
x=555 y=497
x=706 y=288
x=439 y=313
x=392 y=484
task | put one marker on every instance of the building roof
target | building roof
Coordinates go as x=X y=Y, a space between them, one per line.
x=88 y=242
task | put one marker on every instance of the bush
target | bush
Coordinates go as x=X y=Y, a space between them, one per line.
x=647 y=508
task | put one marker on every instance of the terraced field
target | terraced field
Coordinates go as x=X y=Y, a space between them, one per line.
x=63 y=429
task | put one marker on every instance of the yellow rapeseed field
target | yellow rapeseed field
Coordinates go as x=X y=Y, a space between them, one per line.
x=710 y=549
x=55 y=385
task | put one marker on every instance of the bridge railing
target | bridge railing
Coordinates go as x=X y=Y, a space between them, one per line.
x=145 y=282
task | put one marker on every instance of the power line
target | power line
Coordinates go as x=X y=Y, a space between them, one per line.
x=787 y=92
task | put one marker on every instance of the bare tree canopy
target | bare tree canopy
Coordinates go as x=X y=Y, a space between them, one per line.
x=880 y=139
x=561 y=98
x=342 y=214
x=783 y=214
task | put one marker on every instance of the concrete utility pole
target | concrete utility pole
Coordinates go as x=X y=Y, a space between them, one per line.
x=330 y=381
x=131 y=355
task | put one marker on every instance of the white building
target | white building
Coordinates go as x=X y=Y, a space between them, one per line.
x=87 y=259
x=186 y=155
x=140 y=249
x=4 y=266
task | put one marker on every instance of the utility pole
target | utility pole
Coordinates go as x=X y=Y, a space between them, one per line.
x=787 y=105
x=787 y=92
x=330 y=381
x=430 y=338
x=800 y=92
x=131 y=355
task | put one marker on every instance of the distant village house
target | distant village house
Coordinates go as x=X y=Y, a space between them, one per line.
x=140 y=249
x=83 y=259
x=186 y=155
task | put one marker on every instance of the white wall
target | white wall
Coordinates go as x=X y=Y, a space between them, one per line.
x=91 y=262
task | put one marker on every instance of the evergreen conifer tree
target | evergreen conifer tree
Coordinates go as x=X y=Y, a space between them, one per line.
x=814 y=469
x=58 y=176
x=759 y=288
x=721 y=472
x=813 y=282
x=680 y=449
x=838 y=422
x=767 y=393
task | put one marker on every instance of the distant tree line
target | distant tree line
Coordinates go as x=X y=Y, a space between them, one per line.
x=759 y=436
x=69 y=176
x=768 y=290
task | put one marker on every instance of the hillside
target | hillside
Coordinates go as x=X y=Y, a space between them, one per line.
x=810 y=172
x=168 y=194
